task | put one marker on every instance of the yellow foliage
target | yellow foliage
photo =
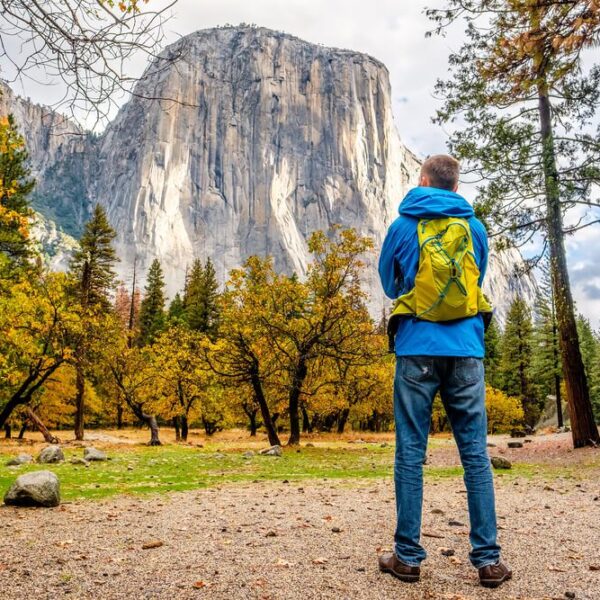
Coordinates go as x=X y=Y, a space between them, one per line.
x=504 y=412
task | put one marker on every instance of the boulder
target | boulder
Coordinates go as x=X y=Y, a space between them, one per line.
x=272 y=451
x=39 y=488
x=499 y=462
x=51 y=454
x=21 y=459
x=90 y=453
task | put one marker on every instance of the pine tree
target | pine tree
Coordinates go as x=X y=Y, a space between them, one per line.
x=152 y=309
x=492 y=355
x=546 y=367
x=200 y=300
x=93 y=277
x=590 y=351
x=515 y=365
x=16 y=185
x=176 y=310
x=527 y=105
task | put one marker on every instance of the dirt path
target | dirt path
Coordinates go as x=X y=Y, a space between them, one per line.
x=277 y=541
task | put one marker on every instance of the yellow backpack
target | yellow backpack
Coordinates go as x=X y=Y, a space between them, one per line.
x=447 y=281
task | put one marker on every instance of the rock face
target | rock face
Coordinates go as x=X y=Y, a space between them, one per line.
x=272 y=139
x=39 y=488
x=268 y=138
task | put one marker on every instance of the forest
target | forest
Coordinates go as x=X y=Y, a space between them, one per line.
x=266 y=351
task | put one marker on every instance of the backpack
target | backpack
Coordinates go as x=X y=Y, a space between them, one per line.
x=447 y=281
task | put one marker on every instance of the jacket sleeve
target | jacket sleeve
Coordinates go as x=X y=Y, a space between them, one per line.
x=389 y=269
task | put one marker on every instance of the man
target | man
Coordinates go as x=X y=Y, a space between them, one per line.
x=436 y=352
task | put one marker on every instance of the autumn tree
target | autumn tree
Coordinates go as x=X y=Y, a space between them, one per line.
x=152 y=308
x=92 y=277
x=242 y=355
x=38 y=329
x=526 y=104
x=323 y=317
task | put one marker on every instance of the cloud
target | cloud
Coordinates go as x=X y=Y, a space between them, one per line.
x=591 y=291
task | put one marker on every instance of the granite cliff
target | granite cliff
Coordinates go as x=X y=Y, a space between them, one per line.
x=246 y=144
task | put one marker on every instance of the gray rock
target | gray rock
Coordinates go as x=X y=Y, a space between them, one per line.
x=499 y=462
x=39 y=488
x=93 y=454
x=515 y=444
x=78 y=461
x=20 y=459
x=219 y=456
x=272 y=451
x=248 y=454
x=51 y=454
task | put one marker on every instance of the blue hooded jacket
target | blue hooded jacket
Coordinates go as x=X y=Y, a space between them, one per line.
x=398 y=265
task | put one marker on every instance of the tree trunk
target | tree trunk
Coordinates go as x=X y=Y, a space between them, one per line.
x=264 y=409
x=50 y=439
x=306 y=424
x=557 y=391
x=583 y=427
x=22 y=430
x=294 y=402
x=184 y=428
x=177 y=429
x=151 y=422
x=79 y=400
x=343 y=420
x=7 y=431
x=119 y=414
x=253 y=424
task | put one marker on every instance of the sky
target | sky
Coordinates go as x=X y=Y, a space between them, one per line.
x=392 y=31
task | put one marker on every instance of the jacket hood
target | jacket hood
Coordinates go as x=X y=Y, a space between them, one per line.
x=434 y=203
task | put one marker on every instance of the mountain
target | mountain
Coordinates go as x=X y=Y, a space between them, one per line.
x=237 y=141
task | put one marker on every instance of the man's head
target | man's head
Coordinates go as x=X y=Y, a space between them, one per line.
x=440 y=171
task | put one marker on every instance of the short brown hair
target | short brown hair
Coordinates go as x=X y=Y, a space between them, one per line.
x=443 y=171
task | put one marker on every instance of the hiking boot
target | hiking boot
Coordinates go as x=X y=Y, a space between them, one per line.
x=494 y=576
x=389 y=563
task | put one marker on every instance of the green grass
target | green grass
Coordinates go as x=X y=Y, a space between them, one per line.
x=177 y=468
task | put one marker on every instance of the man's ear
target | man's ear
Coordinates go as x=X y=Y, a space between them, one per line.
x=424 y=180
x=455 y=188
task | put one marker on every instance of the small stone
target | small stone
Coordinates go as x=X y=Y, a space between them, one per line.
x=569 y=594
x=152 y=544
x=78 y=461
x=518 y=433
x=309 y=445
x=130 y=467
x=272 y=451
x=490 y=445
x=51 y=454
x=515 y=444
x=437 y=511
x=499 y=462
x=453 y=523
x=336 y=530
x=446 y=551
x=39 y=488
x=248 y=454
x=21 y=459
x=385 y=445
x=219 y=456
x=271 y=534
x=360 y=569
x=92 y=454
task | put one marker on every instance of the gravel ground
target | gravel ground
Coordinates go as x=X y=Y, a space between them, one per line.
x=291 y=541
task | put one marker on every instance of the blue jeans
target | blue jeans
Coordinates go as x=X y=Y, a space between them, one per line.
x=462 y=389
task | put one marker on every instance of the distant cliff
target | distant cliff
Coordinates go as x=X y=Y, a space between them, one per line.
x=268 y=138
